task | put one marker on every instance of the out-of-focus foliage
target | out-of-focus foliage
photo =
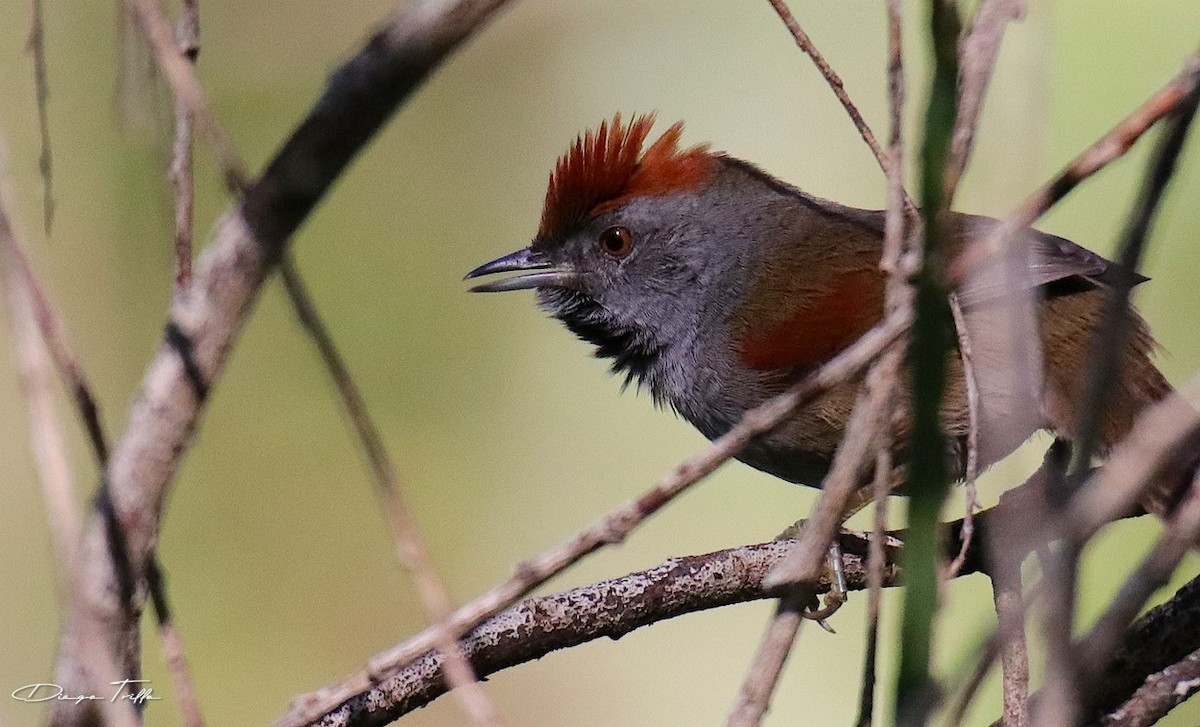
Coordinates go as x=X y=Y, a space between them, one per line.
x=508 y=435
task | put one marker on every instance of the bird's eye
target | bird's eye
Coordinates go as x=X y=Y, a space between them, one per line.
x=616 y=241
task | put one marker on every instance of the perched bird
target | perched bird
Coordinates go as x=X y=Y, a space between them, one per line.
x=714 y=286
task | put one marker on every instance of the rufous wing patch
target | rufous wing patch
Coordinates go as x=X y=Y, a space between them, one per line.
x=820 y=326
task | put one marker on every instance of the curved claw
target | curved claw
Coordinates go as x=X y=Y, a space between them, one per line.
x=836 y=596
x=829 y=606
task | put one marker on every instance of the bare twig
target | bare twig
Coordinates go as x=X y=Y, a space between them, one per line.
x=803 y=566
x=872 y=409
x=898 y=295
x=971 y=495
x=28 y=311
x=875 y=580
x=1162 y=692
x=181 y=154
x=47 y=443
x=1132 y=466
x=977 y=53
x=175 y=62
x=173 y=650
x=191 y=102
x=773 y=651
x=1166 y=635
x=54 y=333
x=406 y=537
x=976 y=61
x=1114 y=328
x=1151 y=574
x=1014 y=652
x=839 y=89
x=831 y=77
x=205 y=319
x=610 y=529
x=1066 y=691
x=1006 y=545
x=36 y=47
x=1109 y=494
x=1111 y=146
x=613 y=608
x=610 y=608
x=183 y=180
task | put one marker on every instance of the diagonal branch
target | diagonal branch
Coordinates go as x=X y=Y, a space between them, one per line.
x=608 y=530
x=613 y=608
x=205 y=318
x=190 y=103
x=406 y=536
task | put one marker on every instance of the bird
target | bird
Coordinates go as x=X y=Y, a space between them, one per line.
x=713 y=286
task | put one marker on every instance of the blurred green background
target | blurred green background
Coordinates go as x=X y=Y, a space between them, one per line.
x=508 y=435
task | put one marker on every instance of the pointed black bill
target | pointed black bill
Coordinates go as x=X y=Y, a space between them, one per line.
x=538 y=272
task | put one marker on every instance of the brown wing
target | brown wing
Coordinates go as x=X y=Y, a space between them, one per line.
x=1051 y=258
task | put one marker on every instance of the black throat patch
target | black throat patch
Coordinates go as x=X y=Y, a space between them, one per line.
x=633 y=351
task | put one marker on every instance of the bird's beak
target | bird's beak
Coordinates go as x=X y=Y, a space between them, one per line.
x=538 y=272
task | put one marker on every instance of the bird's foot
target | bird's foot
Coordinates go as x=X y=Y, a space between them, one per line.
x=836 y=596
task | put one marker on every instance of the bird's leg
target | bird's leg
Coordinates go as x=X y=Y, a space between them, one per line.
x=836 y=597
x=838 y=588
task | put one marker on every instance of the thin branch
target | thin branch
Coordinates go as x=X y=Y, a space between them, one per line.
x=1162 y=692
x=190 y=103
x=176 y=65
x=205 y=319
x=1111 y=146
x=46 y=439
x=28 y=311
x=1165 y=636
x=1014 y=651
x=976 y=60
x=182 y=177
x=406 y=536
x=62 y=353
x=36 y=47
x=831 y=77
x=1006 y=544
x=803 y=566
x=898 y=295
x=763 y=675
x=839 y=89
x=1152 y=573
x=1160 y=431
x=174 y=652
x=876 y=563
x=616 y=607
x=971 y=494
x=608 y=530
x=608 y=609
x=1066 y=691
x=1114 y=328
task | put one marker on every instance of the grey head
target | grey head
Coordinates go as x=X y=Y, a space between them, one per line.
x=623 y=255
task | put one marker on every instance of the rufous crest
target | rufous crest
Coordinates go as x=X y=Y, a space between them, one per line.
x=607 y=166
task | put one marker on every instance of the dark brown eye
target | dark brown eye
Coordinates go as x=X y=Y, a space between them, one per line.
x=616 y=241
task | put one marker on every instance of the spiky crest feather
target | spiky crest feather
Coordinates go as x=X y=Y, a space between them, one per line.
x=607 y=167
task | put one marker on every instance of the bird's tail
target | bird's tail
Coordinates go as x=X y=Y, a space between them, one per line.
x=1069 y=323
